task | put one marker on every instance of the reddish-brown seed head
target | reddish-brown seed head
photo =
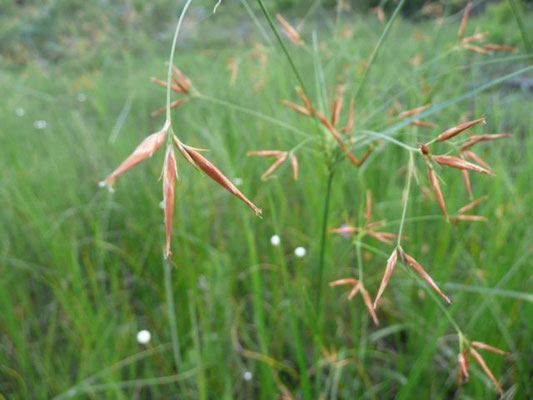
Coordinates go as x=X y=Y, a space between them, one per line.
x=423 y=274
x=481 y=362
x=215 y=174
x=289 y=31
x=143 y=151
x=436 y=189
x=391 y=263
x=464 y=20
x=468 y=185
x=459 y=163
x=294 y=164
x=413 y=111
x=169 y=184
x=452 y=132
x=487 y=347
x=482 y=138
x=368 y=304
x=462 y=359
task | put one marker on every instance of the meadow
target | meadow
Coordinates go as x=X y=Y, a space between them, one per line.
x=237 y=312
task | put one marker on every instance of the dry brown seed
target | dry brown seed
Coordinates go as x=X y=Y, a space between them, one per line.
x=383 y=237
x=379 y=12
x=459 y=163
x=450 y=133
x=486 y=369
x=351 y=116
x=391 y=263
x=423 y=124
x=143 y=151
x=368 y=205
x=424 y=149
x=484 y=346
x=161 y=83
x=181 y=79
x=469 y=218
x=477 y=37
x=476 y=49
x=174 y=104
x=344 y=230
x=436 y=188
x=368 y=304
x=215 y=174
x=354 y=291
x=472 y=205
x=482 y=138
x=423 y=274
x=474 y=157
x=462 y=358
x=294 y=164
x=464 y=20
x=169 y=183
x=296 y=107
x=414 y=111
x=466 y=179
x=289 y=31
x=345 y=281
x=280 y=160
x=265 y=153
x=304 y=98
x=336 y=109
x=498 y=47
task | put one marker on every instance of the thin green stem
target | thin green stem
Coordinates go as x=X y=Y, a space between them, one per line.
x=172 y=313
x=377 y=48
x=407 y=189
x=517 y=12
x=323 y=237
x=171 y=58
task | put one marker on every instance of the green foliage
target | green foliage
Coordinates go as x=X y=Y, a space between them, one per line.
x=81 y=270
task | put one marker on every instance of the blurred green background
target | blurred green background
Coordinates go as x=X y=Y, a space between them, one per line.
x=81 y=270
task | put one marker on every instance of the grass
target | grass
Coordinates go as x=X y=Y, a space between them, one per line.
x=81 y=270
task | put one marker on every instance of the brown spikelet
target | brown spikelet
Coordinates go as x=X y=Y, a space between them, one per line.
x=351 y=116
x=354 y=291
x=414 y=111
x=143 y=151
x=498 y=47
x=436 y=189
x=265 y=153
x=368 y=205
x=174 y=88
x=472 y=205
x=486 y=369
x=291 y=33
x=423 y=274
x=169 y=183
x=336 y=109
x=303 y=97
x=477 y=37
x=383 y=237
x=464 y=20
x=215 y=174
x=423 y=124
x=468 y=185
x=450 y=133
x=368 y=304
x=459 y=163
x=482 y=138
x=469 y=218
x=174 y=104
x=296 y=107
x=294 y=164
x=344 y=230
x=474 y=157
x=345 y=281
x=476 y=49
x=391 y=263
x=280 y=160
x=181 y=80
x=484 y=346
x=462 y=359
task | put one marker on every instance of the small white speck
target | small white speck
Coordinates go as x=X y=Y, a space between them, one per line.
x=144 y=336
x=19 y=112
x=300 y=252
x=275 y=240
x=162 y=205
x=237 y=181
x=81 y=97
x=247 y=376
x=40 y=124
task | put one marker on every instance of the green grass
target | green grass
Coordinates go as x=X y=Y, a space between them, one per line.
x=82 y=271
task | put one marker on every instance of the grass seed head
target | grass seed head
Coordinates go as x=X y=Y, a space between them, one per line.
x=481 y=362
x=291 y=33
x=452 y=132
x=391 y=263
x=414 y=111
x=483 y=138
x=169 y=183
x=464 y=20
x=436 y=189
x=462 y=359
x=214 y=173
x=144 y=150
x=459 y=163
